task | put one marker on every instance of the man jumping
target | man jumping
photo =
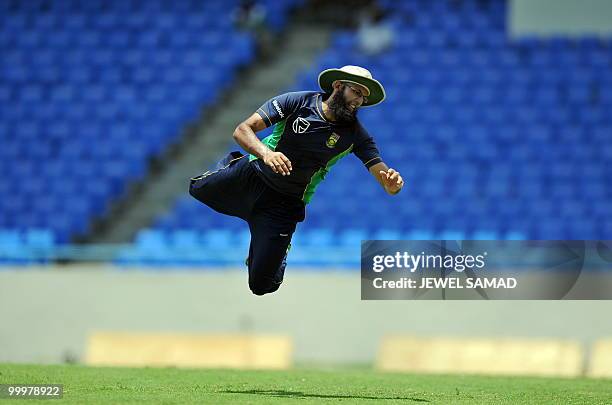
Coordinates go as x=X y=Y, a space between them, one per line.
x=270 y=187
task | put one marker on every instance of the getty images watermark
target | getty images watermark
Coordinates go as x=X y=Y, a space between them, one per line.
x=405 y=261
x=486 y=270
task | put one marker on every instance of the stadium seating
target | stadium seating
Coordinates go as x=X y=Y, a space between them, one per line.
x=91 y=90
x=496 y=138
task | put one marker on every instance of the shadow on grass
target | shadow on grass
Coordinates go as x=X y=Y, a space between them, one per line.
x=298 y=394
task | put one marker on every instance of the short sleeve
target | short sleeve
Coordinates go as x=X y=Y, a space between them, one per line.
x=280 y=107
x=365 y=147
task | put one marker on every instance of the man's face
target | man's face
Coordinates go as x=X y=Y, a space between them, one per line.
x=354 y=95
x=346 y=100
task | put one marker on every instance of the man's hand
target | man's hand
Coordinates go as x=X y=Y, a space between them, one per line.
x=391 y=180
x=278 y=162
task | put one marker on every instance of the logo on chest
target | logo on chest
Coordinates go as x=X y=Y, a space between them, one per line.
x=332 y=140
x=300 y=125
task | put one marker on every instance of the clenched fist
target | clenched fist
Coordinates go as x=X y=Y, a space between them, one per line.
x=392 y=181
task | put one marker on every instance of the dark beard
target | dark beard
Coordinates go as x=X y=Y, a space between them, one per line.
x=340 y=109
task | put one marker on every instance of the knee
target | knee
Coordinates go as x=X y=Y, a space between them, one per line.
x=196 y=190
x=191 y=189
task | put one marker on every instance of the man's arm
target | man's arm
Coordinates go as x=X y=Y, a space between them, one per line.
x=388 y=178
x=367 y=151
x=244 y=135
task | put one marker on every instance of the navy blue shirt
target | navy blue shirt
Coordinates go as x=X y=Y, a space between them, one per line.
x=311 y=142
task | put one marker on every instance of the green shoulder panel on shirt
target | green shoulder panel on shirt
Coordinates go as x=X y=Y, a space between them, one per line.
x=272 y=140
x=320 y=175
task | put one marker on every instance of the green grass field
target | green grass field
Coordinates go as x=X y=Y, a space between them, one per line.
x=88 y=385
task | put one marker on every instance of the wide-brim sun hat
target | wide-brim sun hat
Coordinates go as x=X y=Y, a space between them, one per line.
x=353 y=74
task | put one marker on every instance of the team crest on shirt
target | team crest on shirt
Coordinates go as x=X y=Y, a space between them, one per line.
x=332 y=140
x=300 y=125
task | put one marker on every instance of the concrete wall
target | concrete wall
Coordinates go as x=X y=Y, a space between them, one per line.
x=554 y=17
x=47 y=313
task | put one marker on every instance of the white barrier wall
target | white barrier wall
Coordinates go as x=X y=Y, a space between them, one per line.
x=47 y=314
x=555 y=17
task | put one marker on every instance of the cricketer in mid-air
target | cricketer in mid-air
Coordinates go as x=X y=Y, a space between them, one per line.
x=270 y=188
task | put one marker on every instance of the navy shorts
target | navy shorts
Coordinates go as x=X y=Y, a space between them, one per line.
x=234 y=188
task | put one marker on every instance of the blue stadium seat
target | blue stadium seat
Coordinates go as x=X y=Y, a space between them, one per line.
x=496 y=137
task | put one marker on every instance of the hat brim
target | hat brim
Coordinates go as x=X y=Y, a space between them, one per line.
x=329 y=76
